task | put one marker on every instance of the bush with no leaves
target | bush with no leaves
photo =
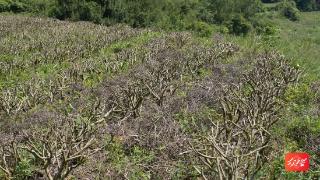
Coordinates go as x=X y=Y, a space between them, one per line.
x=239 y=142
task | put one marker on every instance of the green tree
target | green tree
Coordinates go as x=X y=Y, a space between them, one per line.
x=307 y=5
x=223 y=10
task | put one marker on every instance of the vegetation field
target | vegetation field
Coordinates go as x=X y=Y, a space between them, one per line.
x=85 y=101
x=298 y=41
x=301 y=41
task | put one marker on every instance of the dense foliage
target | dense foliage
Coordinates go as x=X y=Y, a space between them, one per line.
x=304 y=5
x=308 y=5
x=196 y=15
x=237 y=17
x=169 y=14
x=289 y=10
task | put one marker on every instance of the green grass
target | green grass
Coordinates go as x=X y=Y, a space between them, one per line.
x=301 y=41
x=129 y=43
x=297 y=40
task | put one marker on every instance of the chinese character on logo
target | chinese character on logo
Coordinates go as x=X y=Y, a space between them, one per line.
x=297 y=162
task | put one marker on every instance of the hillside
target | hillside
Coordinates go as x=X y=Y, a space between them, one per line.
x=89 y=101
x=298 y=41
x=301 y=41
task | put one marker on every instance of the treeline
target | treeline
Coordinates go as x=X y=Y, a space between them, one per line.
x=233 y=16
x=194 y=15
x=303 y=5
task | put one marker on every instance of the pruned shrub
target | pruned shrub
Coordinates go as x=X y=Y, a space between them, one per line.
x=238 y=142
x=152 y=99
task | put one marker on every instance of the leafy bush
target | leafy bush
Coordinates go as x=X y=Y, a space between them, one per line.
x=77 y=10
x=289 y=10
x=24 y=169
x=220 y=11
x=90 y=11
x=17 y=6
x=300 y=133
x=39 y=6
x=5 y=5
x=307 y=5
x=202 y=28
x=14 y=6
x=263 y=25
x=239 y=25
x=64 y=9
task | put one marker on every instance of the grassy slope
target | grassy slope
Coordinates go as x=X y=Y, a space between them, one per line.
x=301 y=41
